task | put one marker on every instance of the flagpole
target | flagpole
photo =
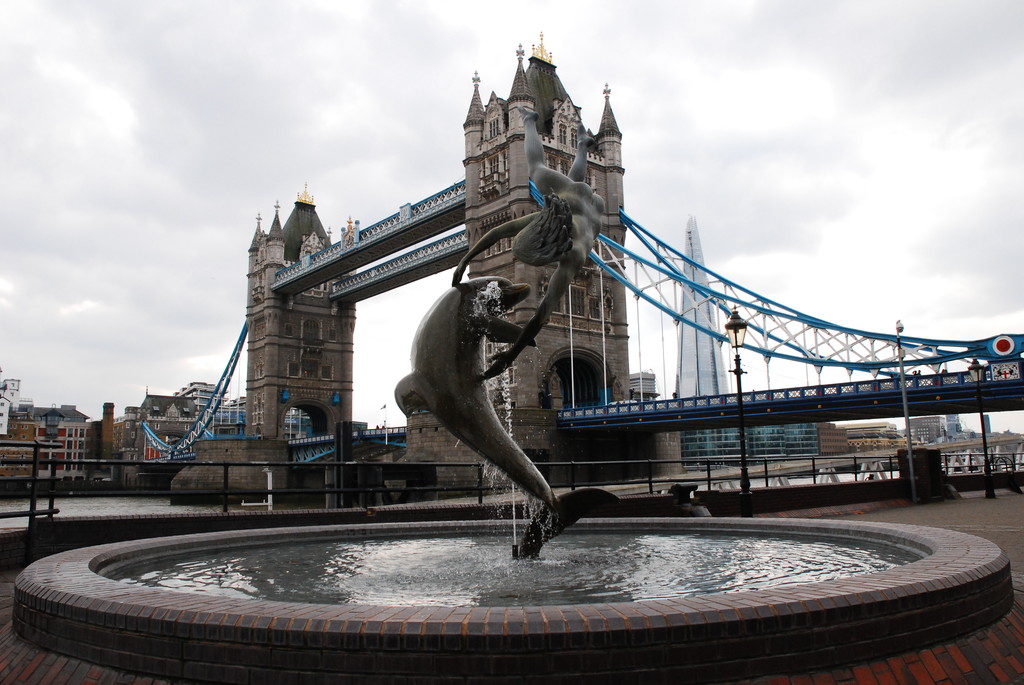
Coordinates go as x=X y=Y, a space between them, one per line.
x=385 y=408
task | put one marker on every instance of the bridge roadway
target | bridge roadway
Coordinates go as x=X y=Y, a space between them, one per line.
x=927 y=395
x=412 y=224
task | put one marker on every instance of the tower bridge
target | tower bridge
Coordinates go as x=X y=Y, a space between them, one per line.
x=303 y=291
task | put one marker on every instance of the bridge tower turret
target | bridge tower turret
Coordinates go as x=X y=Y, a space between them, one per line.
x=594 y=366
x=300 y=346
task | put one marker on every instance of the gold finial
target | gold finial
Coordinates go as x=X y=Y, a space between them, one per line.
x=350 y=226
x=540 y=53
x=304 y=197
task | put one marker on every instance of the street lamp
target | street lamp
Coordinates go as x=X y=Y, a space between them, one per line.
x=906 y=414
x=977 y=371
x=736 y=329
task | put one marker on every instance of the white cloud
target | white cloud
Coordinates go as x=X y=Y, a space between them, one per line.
x=6 y=290
x=76 y=308
x=758 y=100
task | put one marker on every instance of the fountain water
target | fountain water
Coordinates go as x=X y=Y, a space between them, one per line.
x=475 y=570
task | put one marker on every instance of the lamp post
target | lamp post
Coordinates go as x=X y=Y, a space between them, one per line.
x=736 y=330
x=906 y=414
x=977 y=371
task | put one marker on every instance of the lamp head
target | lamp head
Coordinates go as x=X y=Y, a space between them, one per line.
x=977 y=371
x=736 y=329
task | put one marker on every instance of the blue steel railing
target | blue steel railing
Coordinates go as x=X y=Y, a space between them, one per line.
x=664 y=277
x=313 y=447
x=424 y=209
x=432 y=252
x=754 y=398
x=438 y=203
x=182 y=450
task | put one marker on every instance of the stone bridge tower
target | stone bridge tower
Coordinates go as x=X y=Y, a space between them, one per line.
x=300 y=346
x=579 y=359
x=590 y=364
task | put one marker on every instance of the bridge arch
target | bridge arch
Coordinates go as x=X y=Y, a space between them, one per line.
x=310 y=417
x=575 y=376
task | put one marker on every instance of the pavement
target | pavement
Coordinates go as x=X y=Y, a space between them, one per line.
x=1000 y=520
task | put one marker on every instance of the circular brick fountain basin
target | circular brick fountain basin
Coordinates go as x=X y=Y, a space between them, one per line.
x=961 y=584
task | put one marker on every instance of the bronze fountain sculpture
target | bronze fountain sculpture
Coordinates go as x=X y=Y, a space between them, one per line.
x=448 y=377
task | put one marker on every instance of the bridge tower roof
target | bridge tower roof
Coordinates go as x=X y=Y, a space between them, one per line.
x=545 y=86
x=276 y=232
x=258 y=236
x=476 y=106
x=301 y=222
x=609 y=127
x=520 y=88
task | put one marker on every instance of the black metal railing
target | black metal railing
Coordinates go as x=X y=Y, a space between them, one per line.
x=350 y=483
x=33 y=511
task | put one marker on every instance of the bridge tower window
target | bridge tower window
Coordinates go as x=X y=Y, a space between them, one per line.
x=311 y=330
x=577 y=297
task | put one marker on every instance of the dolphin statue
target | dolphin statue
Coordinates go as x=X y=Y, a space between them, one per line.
x=447 y=379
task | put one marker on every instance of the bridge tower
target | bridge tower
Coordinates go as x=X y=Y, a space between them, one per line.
x=591 y=365
x=587 y=362
x=300 y=346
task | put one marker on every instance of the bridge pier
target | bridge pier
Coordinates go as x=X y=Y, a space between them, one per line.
x=244 y=451
x=929 y=481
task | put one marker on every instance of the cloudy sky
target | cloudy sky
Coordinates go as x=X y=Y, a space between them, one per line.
x=862 y=162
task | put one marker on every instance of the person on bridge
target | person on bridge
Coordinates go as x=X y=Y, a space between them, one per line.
x=563 y=232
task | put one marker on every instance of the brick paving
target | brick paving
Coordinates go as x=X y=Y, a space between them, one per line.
x=991 y=655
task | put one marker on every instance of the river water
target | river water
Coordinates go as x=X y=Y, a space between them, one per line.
x=109 y=506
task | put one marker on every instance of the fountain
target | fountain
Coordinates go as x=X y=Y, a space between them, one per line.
x=959 y=584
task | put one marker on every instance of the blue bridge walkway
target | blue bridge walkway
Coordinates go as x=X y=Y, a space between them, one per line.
x=927 y=395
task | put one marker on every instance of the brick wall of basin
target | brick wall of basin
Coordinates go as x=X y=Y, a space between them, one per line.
x=961 y=584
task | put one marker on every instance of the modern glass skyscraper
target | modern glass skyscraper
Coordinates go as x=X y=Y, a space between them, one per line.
x=701 y=371
x=792 y=440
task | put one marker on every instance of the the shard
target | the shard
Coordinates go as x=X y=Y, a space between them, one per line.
x=701 y=371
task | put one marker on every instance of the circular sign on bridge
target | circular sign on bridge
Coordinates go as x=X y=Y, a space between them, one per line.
x=1004 y=345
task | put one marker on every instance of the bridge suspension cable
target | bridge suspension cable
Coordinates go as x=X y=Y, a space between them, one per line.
x=666 y=279
x=199 y=428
